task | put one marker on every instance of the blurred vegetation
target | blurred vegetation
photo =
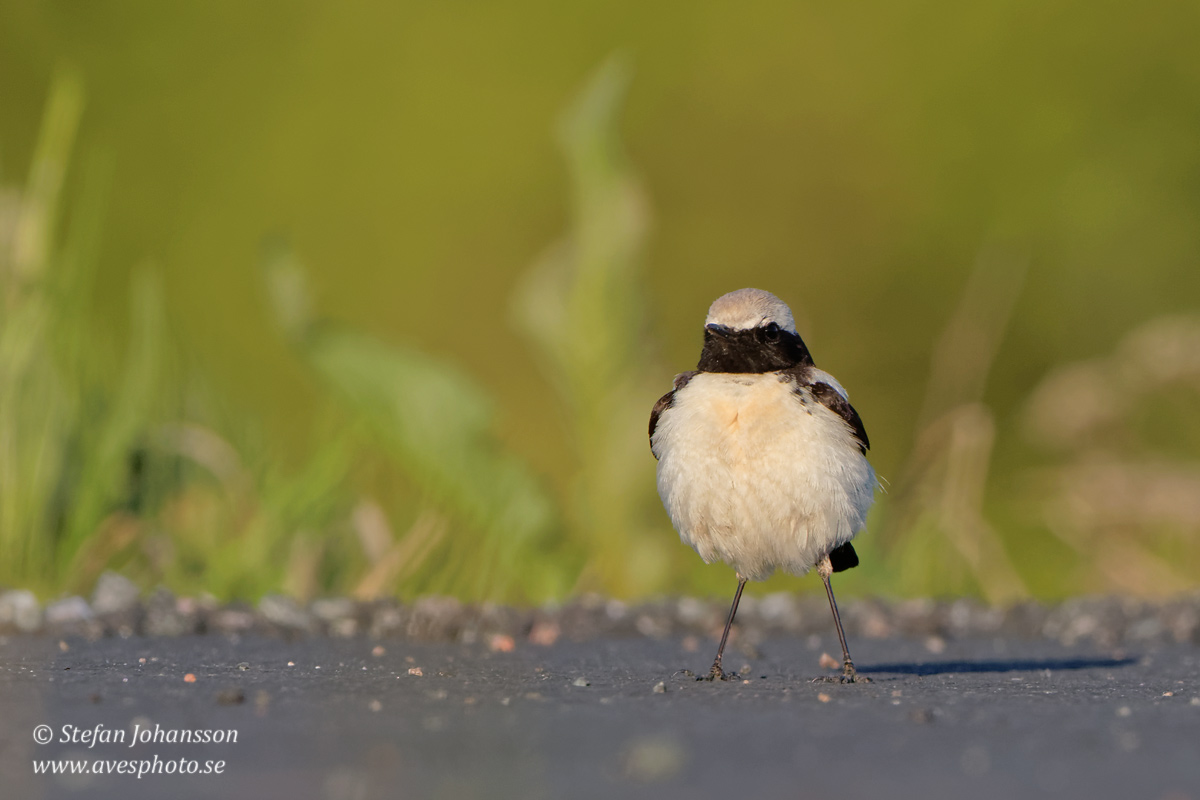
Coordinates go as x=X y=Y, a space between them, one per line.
x=582 y=307
x=983 y=217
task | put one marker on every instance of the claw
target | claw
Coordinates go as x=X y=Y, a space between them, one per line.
x=849 y=675
x=854 y=678
x=718 y=674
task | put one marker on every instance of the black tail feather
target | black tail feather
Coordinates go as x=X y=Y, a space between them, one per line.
x=843 y=558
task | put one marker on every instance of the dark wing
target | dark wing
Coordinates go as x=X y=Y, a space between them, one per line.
x=844 y=557
x=829 y=397
x=665 y=402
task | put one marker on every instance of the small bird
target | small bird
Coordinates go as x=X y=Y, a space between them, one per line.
x=761 y=458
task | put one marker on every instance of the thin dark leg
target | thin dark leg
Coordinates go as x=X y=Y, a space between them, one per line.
x=716 y=673
x=849 y=675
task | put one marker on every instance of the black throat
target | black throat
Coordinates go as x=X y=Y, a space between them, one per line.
x=751 y=350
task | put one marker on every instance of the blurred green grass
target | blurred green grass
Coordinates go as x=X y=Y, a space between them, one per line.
x=397 y=402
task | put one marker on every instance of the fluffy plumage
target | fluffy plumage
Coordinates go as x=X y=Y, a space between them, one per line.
x=763 y=470
x=753 y=471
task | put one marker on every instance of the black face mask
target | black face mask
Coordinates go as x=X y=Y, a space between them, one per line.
x=765 y=349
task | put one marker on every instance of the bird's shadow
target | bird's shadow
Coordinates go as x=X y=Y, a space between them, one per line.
x=998 y=665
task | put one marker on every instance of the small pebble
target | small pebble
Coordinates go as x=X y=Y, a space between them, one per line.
x=378 y=650
x=20 y=609
x=654 y=759
x=828 y=662
x=921 y=716
x=502 y=643
x=544 y=634
x=189 y=678
x=230 y=697
x=243 y=665
x=415 y=671
x=375 y=706
x=1124 y=711
x=824 y=698
x=114 y=594
x=580 y=682
x=660 y=688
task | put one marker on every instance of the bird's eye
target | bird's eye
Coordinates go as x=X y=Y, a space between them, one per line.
x=771 y=332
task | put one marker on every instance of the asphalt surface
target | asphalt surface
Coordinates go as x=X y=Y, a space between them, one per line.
x=355 y=719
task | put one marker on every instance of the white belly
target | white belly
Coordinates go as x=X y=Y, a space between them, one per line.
x=751 y=476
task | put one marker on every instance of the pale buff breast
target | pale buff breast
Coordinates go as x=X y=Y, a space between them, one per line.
x=759 y=476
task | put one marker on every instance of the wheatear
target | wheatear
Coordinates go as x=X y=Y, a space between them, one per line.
x=761 y=458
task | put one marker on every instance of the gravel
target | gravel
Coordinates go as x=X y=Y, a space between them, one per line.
x=117 y=609
x=115 y=594
x=20 y=612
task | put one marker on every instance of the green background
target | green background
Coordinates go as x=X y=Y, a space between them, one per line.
x=860 y=161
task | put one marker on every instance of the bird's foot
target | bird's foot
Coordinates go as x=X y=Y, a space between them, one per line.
x=718 y=674
x=842 y=679
x=849 y=675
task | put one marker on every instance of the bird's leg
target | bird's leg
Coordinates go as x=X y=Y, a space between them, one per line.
x=849 y=675
x=716 y=673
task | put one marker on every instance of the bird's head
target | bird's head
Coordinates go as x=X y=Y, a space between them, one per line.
x=751 y=330
x=747 y=309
